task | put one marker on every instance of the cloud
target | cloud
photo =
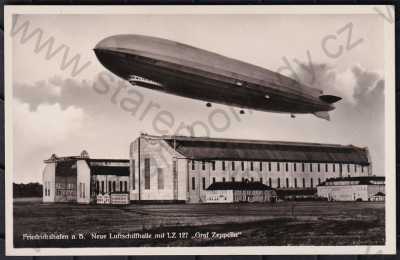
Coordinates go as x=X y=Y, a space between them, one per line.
x=360 y=116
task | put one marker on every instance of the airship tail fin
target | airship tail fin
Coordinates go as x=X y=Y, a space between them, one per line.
x=323 y=115
x=330 y=98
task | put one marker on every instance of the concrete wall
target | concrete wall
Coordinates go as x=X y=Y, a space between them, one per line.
x=83 y=182
x=49 y=174
x=161 y=160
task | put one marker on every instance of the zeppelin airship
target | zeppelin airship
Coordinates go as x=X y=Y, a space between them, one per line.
x=187 y=71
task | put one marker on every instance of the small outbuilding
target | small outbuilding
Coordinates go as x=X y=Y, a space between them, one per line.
x=230 y=192
x=368 y=188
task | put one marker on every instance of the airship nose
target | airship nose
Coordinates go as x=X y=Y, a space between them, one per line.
x=107 y=43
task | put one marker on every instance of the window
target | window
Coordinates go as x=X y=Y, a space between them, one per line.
x=233 y=165
x=261 y=180
x=203 y=182
x=114 y=186
x=223 y=165
x=279 y=182
x=251 y=179
x=242 y=179
x=203 y=165
x=340 y=168
x=333 y=167
x=287 y=182
x=193 y=165
x=294 y=166
x=83 y=190
x=311 y=167
x=233 y=179
x=223 y=179
x=302 y=167
x=326 y=167
x=147 y=173
x=286 y=166
x=213 y=166
x=362 y=168
x=109 y=186
x=319 y=167
x=270 y=182
x=312 y=183
x=251 y=166
x=120 y=185
x=269 y=166
x=242 y=166
x=102 y=186
x=295 y=182
x=125 y=186
x=97 y=187
x=133 y=174
x=319 y=181
x=213 y=179
x=355 y=168
x=193 y=183
x=160 y=178
x=260 y=166
x=304 y=183
x=348 y=167
x=278 y=167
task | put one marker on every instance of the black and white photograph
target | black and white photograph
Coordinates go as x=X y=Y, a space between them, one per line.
x=200 y=130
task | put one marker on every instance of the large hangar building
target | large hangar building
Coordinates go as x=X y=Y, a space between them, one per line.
x=180 y=169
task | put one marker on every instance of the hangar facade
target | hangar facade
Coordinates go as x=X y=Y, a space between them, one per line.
x=81 y=178
x=180 y=169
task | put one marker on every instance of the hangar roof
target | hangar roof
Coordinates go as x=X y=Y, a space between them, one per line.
x=204 y=148
x=359 y=180
x=110 y=170
x=66 y=166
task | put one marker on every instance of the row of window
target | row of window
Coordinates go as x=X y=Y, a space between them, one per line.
x=46 y=188
x=278 y=166
x=278 y=182
x=123 y=186
x=82 y=188
x=160 y=175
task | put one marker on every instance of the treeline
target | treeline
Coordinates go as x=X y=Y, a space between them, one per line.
x=21 y=190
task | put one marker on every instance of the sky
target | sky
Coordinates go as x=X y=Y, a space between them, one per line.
x=63 y=106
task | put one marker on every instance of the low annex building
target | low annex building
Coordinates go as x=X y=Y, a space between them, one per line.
x=81 y=179
x=229 y=192
x=371 y=188
x=181 y=169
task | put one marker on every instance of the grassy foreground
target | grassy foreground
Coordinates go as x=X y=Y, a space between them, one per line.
x=286 y=223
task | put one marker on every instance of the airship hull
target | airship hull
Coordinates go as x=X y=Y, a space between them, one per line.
x=208 y=82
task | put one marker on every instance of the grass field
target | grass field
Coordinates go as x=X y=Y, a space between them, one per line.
x=285 y=223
